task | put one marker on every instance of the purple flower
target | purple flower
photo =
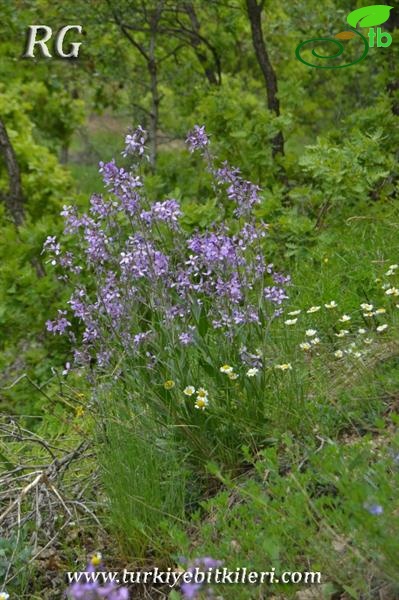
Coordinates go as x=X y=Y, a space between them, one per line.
x=67 y=368
x=197 y=139
x=134 y=142
x=191 y=589
x=275 y=294
x=186 y=338
x=374 y=509
x=167 y=211
x=59 y=325
x=143 y=272
x=281 y=279
x=51 y=245
x=90 y=587
x=98 y=206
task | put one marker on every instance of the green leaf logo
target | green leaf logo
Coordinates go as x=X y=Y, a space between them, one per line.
x=369 y=16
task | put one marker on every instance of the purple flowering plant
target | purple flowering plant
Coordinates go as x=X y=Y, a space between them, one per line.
x=160 y=308
x=90 y=587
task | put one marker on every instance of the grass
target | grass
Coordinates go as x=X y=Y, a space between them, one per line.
x=325 y=454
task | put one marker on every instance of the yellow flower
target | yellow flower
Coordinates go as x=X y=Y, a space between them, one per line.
x=201 y=393
x=189 y=390
x=313 y=309
x=4 y=596
x=79 y=412
x=380 y=311
x=169 y=384
x=226 y=369
x=284 y=367
x=233 y=376
x=201 y=403
x=331 y=304
x=96 y=559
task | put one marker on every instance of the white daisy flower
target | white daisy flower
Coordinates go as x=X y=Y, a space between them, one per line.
x=331 y=304
x=313 y=309
x=305 y=346
x=284 y=367
x=233 y=376
x=310 y=332
x=342 y=333
x=290 y=321
x=382 y=328
x=345 y=318
x=366 y=307
x=226 y=369
x=189 y=390
x=338 y=354
x=252 y=372
x=361 y=331
x=293 y=313
x=393 y=291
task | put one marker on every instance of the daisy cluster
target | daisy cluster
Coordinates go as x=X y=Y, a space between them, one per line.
x=345 y=327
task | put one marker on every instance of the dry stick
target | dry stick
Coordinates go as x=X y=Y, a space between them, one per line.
x=39 y=479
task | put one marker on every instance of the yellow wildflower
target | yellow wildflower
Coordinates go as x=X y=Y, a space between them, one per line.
x=96 y=559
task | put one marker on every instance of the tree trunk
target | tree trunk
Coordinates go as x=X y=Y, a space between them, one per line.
x=255 y=18
x=154 y=113
x=155 y=97
x=214 y=76
x=14 y=199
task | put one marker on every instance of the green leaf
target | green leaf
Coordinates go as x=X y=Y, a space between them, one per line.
x=369 y=16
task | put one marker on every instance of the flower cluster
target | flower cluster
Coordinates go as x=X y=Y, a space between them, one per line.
x=360 y=338
x=89 y=587
x=128 y=256
x=190 y=590
x=202 y=400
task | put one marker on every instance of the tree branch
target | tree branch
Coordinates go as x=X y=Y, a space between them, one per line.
x=14 y=199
